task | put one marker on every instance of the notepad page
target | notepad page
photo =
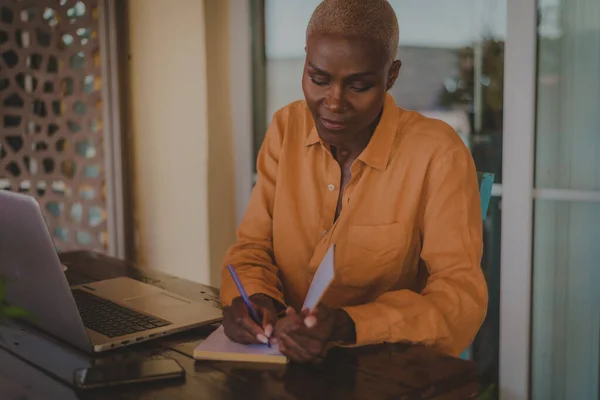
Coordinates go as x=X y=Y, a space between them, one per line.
x=217 y=346
x=321 y=280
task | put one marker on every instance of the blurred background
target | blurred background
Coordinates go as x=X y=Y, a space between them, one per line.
x=136 y=124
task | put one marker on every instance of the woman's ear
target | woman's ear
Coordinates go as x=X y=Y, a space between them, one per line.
x=393 y=74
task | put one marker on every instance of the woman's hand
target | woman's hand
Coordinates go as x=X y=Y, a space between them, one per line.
x=304 y=337
x=239 y=325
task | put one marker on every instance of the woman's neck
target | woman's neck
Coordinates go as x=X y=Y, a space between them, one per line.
x=352 y=149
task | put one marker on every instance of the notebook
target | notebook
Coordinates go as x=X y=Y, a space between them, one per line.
x=217 y=346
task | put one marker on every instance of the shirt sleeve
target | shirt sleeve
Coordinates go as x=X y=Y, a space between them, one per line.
x=449 y=311
x=252 y=254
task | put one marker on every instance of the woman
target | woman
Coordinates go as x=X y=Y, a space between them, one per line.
x=394 y=191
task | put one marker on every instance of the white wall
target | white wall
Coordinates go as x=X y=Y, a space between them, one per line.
x=170 y=135
x=221 y=167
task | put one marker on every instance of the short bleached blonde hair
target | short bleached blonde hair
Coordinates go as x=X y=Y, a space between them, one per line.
x=369 y=19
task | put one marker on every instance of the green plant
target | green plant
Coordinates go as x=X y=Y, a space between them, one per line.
x=489 y=393
x=8 y=311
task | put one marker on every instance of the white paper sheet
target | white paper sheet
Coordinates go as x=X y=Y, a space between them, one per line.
x=323 y=277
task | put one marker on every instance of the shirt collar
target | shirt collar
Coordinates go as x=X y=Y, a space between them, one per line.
x=313 y=136
x=377 y=153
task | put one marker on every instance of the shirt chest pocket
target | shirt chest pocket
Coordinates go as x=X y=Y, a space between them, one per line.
x=373 y=253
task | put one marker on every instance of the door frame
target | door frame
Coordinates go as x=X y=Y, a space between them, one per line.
x=520 y=60
x=117 y=157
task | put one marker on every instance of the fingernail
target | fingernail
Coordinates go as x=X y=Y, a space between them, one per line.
x=310 y=321
x=288 y=310
x=269 y=330
x=262 y=338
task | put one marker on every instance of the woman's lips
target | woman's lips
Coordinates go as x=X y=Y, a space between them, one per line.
x=332 y=125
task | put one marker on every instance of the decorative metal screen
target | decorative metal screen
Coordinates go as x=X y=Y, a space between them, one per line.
x=51 y=133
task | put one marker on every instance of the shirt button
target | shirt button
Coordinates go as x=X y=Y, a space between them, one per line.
x=331 y=187
x=324 y=233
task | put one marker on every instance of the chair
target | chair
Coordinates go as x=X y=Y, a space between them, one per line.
x=485 y=181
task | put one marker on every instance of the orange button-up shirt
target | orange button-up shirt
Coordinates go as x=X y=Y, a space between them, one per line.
x=408 y=240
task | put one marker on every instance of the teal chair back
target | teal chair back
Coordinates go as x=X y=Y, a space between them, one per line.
x=485 y=180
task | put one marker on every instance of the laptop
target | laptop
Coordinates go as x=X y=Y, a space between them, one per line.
x=94 y=317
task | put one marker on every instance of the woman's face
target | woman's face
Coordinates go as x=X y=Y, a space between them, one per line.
x=344 y=82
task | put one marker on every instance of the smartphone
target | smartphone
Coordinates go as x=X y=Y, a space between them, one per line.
x=128 y=372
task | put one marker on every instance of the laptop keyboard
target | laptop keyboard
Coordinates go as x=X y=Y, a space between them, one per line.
x=111 y=319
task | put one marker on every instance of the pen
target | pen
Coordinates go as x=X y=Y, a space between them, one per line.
x=245 y=297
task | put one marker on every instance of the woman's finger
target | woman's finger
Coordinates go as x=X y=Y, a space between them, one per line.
x=253 y=329
x=292 y=350
x=244 y=337
x=269 y=319
x=245 y=322
x=234 y=331
x=313 y=346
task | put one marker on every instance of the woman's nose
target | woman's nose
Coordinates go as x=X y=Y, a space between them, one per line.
x=334 y=102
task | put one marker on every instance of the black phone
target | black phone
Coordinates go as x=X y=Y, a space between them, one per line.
x=128 y=372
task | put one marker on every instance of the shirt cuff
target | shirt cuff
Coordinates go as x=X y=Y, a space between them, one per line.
x=229 y=292
x=370 y=324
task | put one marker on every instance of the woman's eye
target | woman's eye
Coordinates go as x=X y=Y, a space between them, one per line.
x=318 y=82
x=361 y=88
